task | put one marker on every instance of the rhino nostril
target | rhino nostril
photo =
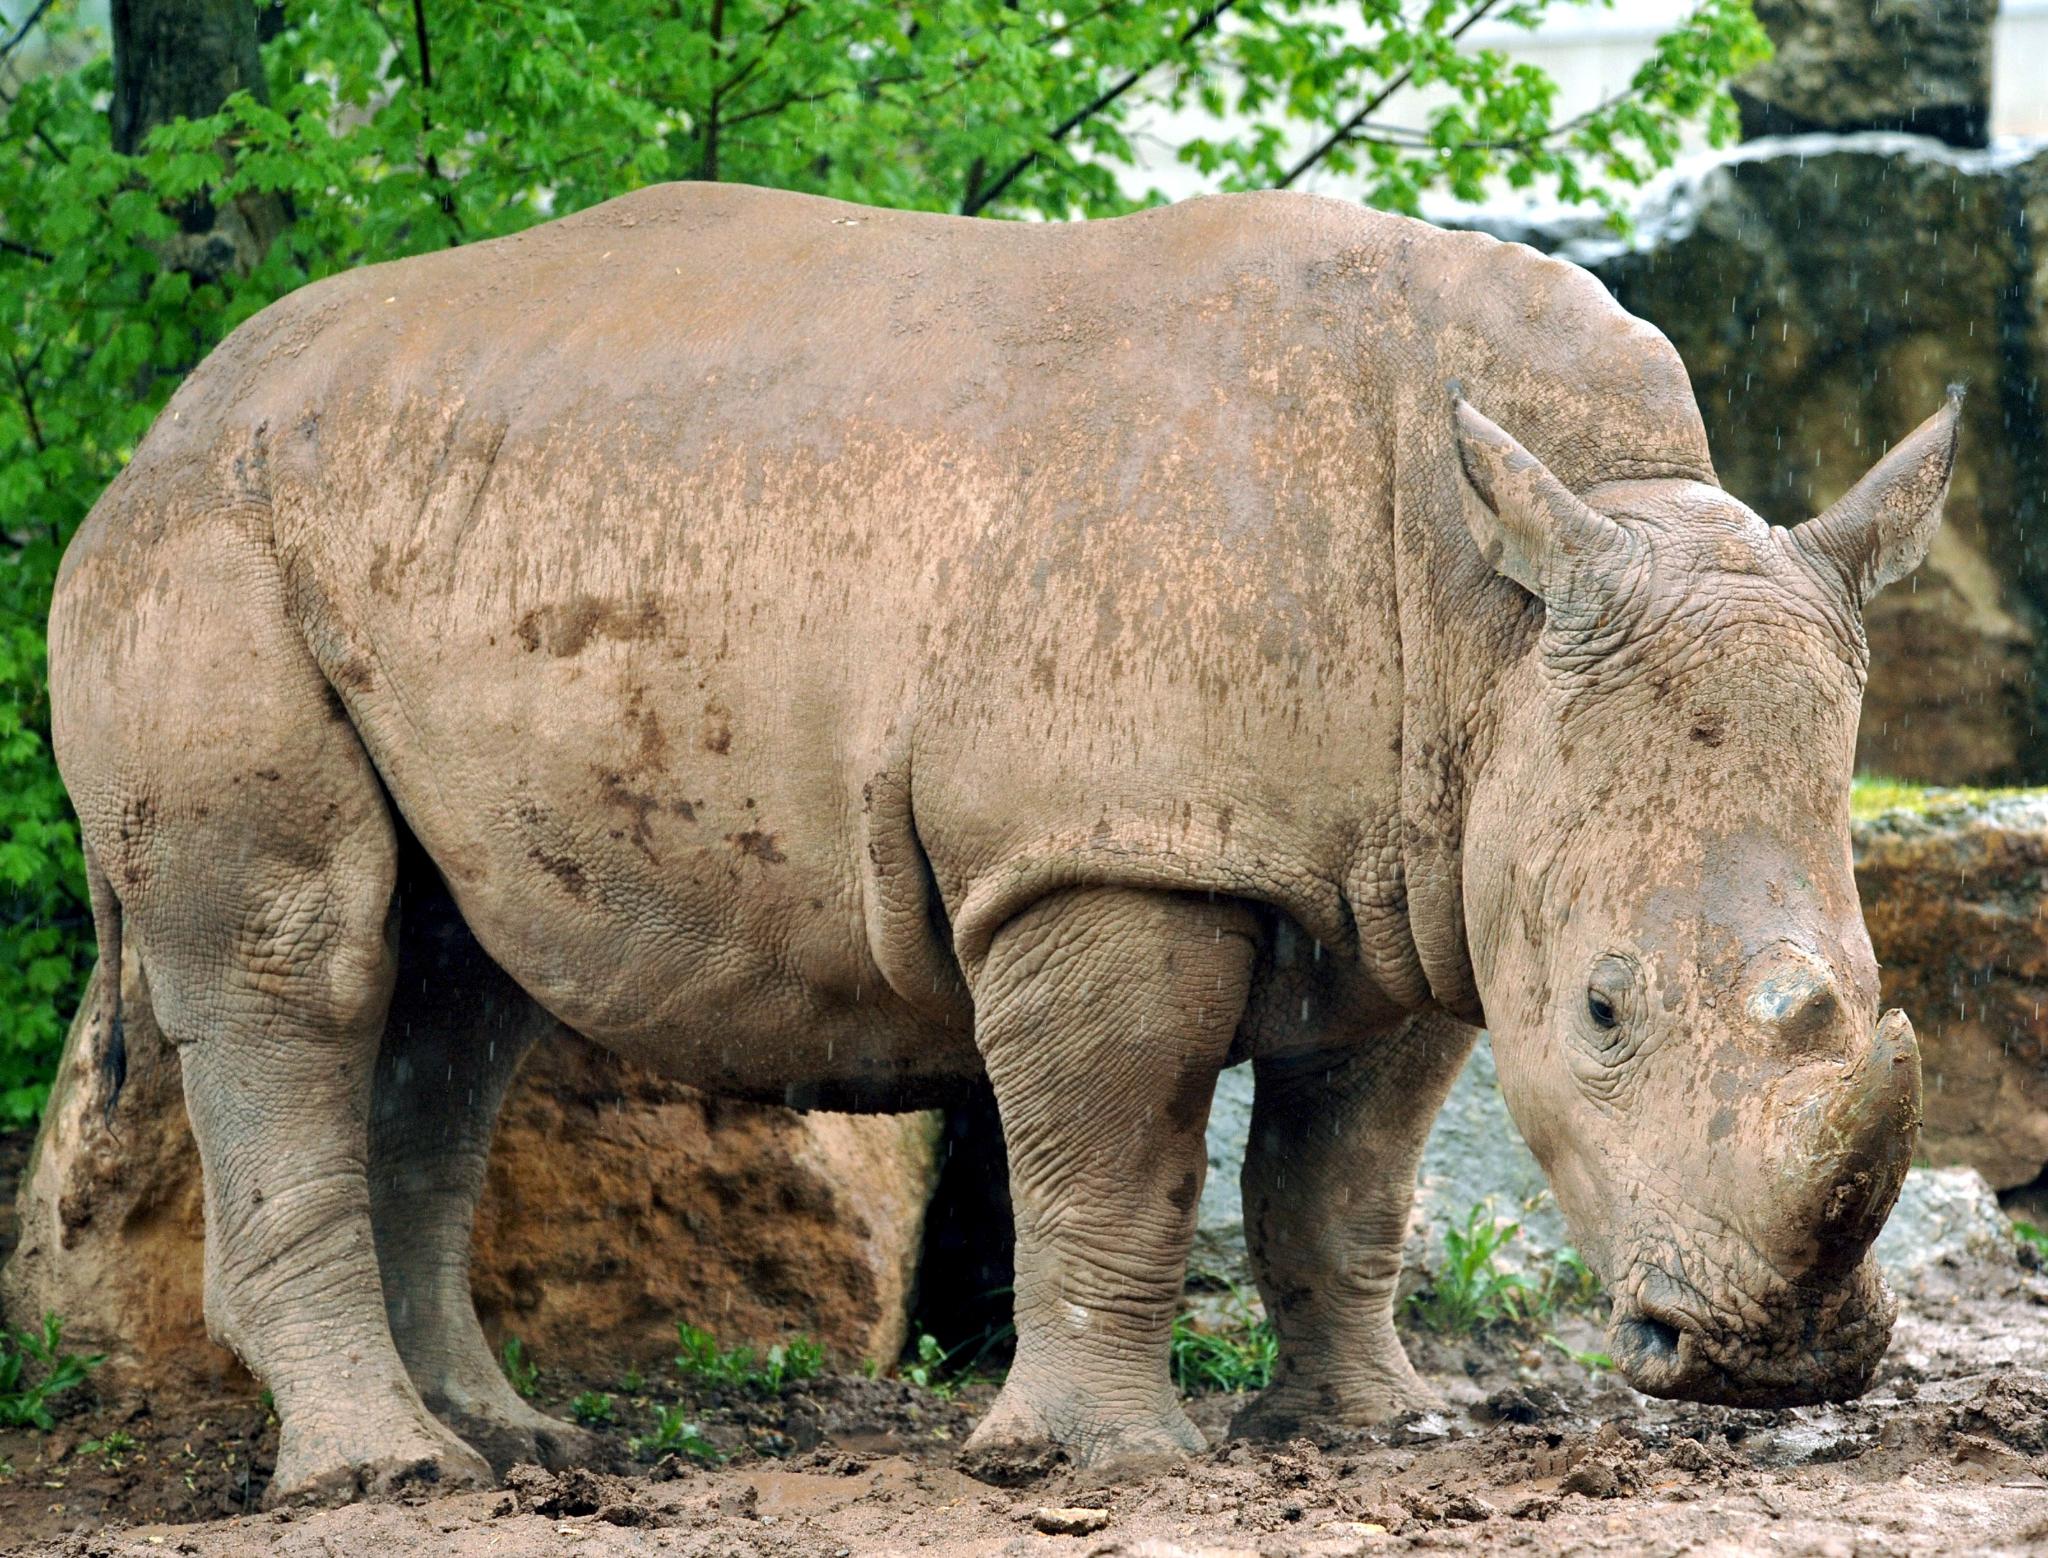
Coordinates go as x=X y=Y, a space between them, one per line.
x=1649 y=1339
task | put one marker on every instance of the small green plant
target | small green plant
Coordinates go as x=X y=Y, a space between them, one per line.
x=519 y=1368
x=1591 y=1362
x=704 y=1362
x=115 y=1448
x=1570 y=1284
x=701 y=1360
x=791 y=1362
x=632 y=1382
x=927 y=1368
x=1470 y=1290
x=1237 y=1358
x=593 y=1409
x=34 y=1370
x=674 y=1434
x=2027 y=1233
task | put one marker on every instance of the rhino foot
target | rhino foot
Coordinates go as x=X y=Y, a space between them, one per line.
x=506 y=1440
x=1019 y=1442
x=1327 y=1412
x=333 y=1468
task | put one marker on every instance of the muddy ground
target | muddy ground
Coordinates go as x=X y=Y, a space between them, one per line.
x=1948 y=1453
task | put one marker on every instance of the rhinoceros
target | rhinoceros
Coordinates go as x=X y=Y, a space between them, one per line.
x=836 y=655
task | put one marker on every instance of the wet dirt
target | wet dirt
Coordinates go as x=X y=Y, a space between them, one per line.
x=1532 y=1452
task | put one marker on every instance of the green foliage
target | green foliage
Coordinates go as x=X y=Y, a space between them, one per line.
x=520 y=1370
x=34 y=1370
x=1470 y=1290
x=1238 y=1358
x=379 y=147
x=2027 y=1233
x=703 y=1362
x=593 y=1409
x=1871 y=796
x=674 y=1434
x=114 y=1449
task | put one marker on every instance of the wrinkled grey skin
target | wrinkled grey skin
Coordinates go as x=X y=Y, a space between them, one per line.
x=832 y=654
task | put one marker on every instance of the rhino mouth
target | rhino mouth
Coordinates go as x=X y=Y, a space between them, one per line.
x=1807 y=1347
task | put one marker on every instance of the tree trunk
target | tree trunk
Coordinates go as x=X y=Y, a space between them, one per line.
x=182 y=59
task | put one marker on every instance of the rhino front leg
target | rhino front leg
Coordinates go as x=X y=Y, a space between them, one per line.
x=1104 y=1017
x=1329 y=1178
x=457 y=1032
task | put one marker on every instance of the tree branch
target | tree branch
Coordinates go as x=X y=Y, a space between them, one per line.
x=792 y=99
x=23 y=30
x=768 y=36
x=1375 y=103
x=1205 y=22
x=1414 y=138
x=28 y=404
x=707 y=164
x=26 y=251
x=445 y=198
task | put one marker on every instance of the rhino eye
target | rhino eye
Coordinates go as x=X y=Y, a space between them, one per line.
x=1610 y=986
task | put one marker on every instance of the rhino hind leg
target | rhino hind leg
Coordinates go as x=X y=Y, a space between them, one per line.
x=456 y=1034
x=1104 y=1017
x=1329 y=1179
x=253 y=854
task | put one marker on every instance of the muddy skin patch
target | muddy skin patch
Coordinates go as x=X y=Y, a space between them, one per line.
x=565 y=629
x=758 y=844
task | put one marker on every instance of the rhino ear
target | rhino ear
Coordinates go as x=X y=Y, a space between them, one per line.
x=1880 y=529
x=1528 y=524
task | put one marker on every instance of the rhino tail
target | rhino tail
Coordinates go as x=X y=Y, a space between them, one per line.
x=111 y=1045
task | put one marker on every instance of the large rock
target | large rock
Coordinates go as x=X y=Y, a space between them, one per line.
x=617 y=1204
x=1956 y=896
x=1946 y=1218
x=1919 y=65
x=1823 y=291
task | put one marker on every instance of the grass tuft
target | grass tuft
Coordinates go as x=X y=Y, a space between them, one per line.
x=1470 y=1289
x=1236 y=1358
x=520 y=1369
x=674 y=1434
x=35 y=1370
x=702 y=1361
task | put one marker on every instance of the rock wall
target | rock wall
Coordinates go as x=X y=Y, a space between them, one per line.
x=617 y=1203
x=1955 y=894
x=1823 y=290
x=1918 y=65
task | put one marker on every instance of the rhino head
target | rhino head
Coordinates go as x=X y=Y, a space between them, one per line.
x=1664 y=923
